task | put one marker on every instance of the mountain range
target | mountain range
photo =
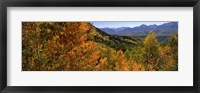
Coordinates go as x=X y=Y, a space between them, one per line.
x=166 y=29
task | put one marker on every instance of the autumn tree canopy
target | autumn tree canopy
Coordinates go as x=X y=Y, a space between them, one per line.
x=79 y=46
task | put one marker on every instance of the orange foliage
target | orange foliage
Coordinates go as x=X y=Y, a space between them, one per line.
x=167 y=56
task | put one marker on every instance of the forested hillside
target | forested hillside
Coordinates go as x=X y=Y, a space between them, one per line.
x=79 y=46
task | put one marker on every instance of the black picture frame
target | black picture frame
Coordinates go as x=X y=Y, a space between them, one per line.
x=101 y=3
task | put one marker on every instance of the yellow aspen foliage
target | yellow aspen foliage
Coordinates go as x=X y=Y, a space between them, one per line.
x=102 y=65
x=52 y=43
x=121 y=64
x=149 y=52
x=136 y=66
x=167 y=56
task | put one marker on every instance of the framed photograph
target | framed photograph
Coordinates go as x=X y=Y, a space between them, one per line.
x=136 y=46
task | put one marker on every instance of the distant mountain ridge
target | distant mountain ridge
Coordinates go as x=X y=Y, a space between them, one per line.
x=166 y=29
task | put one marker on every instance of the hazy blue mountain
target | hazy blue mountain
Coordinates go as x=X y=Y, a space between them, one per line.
x=165 y=29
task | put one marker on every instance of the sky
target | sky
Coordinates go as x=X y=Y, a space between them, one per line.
x=123 y=24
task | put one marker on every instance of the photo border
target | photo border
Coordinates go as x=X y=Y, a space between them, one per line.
x=101 y=3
